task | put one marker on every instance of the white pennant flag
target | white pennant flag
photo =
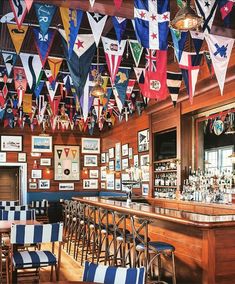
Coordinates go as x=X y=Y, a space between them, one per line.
x=51 y=91
x=113 y=54
x=118 y=99
x=86 y=100
x=220 y=51
x=32 y=65
x=92 y=2
x=138 y=72
x=97 y=22
x=9 y=59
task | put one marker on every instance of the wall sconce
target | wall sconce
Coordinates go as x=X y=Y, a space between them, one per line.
x=48 y=171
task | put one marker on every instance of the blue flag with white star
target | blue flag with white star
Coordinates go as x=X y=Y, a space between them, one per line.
x=119 y=27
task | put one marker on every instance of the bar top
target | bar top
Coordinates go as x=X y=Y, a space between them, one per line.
x=158 y=213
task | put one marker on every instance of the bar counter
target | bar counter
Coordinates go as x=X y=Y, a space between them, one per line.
x=205 y=244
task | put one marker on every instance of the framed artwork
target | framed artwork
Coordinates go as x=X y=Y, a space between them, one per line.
x=21 y=157
x=125 y=163
x=144 y=164
x=130 y=153
x=11 y=143
x=66 y=162
x=111 y=153
x=103 y=173
x=94 y=174
x=44 y=184
x=90 y=184
x=145 y=189
x=107 y=157
x=125 y=150
x=144 y=160
x=125 y=177
x=32 y=185
x=103 y=185
x=91 y=145
x=36 y=174
x=110 y=181
x=117 y=184
x=111 y=165
x=118 y=157
x=42 y=144
x=143 y=140
x=66 y=186
x=103 y=158
x=136 y=161
x=3 y=157
x=45 y=162
x=90 y=161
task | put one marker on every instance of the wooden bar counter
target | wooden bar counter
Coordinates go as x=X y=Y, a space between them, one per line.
x=205 y=244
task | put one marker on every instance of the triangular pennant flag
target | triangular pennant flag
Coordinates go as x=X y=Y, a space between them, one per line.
x=38 y=88
x=50 y=78
x=28 y=4
x=20 y=78
x=138 y=72
x=226 y=8
x=9 y=59
x=209 y=63
x=19 y=10
x=74 y=153
x=190 y=66
x=66 y=150
x=97 y=22
x=51 y=91
x=27 y=103
x=206 y=9
x=220 y=50
x=54 y=104
x=113 y=54
x=54 y=64
x=92 y=2
x=179 y=39
x=136 y=50
x=117 y=3
x=174 y=81
x=98 y=107
x=130 y=86
x=45 y=13
x=71 y=19
x=43 y=43
x=32 y=66
x=119 y=27
x=59 y=152
x=198 y=39
x=17 y=35
x=180 y=3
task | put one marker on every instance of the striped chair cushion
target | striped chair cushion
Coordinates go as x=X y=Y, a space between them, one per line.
x=17 y=215
x=9 y=203
x=34 y=259
x=113 y=275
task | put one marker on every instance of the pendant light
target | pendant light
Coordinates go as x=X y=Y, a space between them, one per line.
x=186 y=18
x=98 y=90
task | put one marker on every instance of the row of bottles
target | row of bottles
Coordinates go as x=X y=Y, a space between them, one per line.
x=167 y=192
x=165 y=166
x=168 y=179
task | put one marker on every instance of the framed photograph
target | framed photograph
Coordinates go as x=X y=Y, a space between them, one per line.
x=117 y=184
x=45 y=162
x=125 y=163
x=21 y=157
x=36 y=174
x=144 y=164
x=42 y=144
x=111 y=165
x=94 y=174
x=143 y=140
x=66 y=162
x=145 y=189
x=125 y=150
x=3 y=157
x=118 y=157
x=111 y=153
x=91 y=145
x=32 y=185
x=90 y=184
x=130 y=153
x=66 y=186
x=103 y=173
x=125 y=177
x=103 y=158
x=90 y=161
x=144 y=160
x=110 y=181
x=44 y=184
x=11 y=143
x=103 y=185
x=136 y=161
x=107 y=157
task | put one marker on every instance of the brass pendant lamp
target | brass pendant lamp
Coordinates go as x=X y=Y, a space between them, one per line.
x=98 y=90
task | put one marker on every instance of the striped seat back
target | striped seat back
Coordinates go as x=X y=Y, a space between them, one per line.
x=112 y=275
x=41 y=233
x=39 y=204
x=15 y=208
x=9 y=203
x=17 y=215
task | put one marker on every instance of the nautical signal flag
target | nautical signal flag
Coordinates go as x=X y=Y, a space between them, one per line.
x=174 y=81
x=225 y=10
x=19 y=10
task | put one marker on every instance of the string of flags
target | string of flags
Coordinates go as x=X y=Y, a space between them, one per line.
x=67 y=102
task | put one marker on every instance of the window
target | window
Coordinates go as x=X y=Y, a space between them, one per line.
x=217 y=160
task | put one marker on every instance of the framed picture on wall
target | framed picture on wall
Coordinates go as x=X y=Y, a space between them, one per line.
x=32 y=185
x=45 y=162
x=103 y=158
x=110 y=181
x=21 y=157
x=42 y=144
x=103 y=173
x=90 y=184
x=93 y=173
x=44 y=184
x=66 y=186
x=90 y=161
x=125 y=150
x=11 y=143
x=117 y=184
x=118 y=157
x=91 y=145
x=3 y=157
x=111 y=153
x=145 y=189
x=143 y=140
x=36 y=174
x=125 y=164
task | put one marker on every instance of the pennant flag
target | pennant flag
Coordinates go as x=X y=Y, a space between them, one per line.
x=130 y=86
x=44 y=14
x=92 y=2
x=179 y=39
x=198 y=39
x=19 y=10
x=138 y=72
x=155 y=75
x=43 y=43
x=38 y=88
x=120 y=86
x=20 y=82
x=220 y=50
x=174 y=81
x=151 y=23
x=28 y=4
x=206 y=9
x=17 y=35
x=27 y=103
x=190 y=65
x=9 y=59
x=226 y=7
x=97 y=22
x=32 y=66
x=209 y=62
x=59 y=152
x=66 y=150
x=136 y=50
x=54 y=64
x=51 y=90
x=180 y=3
x=68 y=82
x=117 y=3
x=119 y=27
x=113 y=54
x=54 y=104
x=71 y=19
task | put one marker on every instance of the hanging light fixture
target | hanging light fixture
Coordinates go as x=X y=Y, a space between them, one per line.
x=186 y=18
x=98 y=90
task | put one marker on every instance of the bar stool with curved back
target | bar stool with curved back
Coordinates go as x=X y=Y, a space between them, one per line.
x=149 y=251
x=72 y=224
x=67 y=212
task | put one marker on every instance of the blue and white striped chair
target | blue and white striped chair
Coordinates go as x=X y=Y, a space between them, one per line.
x=17 y=215
x=28 y=234
x=16 y=208
x=9 y=203
x=112 y=274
